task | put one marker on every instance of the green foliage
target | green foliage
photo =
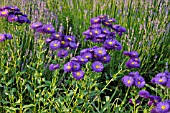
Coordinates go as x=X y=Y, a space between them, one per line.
x=27 y=85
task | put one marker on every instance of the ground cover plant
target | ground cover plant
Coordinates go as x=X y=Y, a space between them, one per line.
x=84 y=56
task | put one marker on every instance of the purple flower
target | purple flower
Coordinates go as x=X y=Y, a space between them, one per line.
x=117 y=46
x=95 y=20
x=139 y=81
x=100 y=51
x=4 y=13
x=12 y=8
x=136 y=73
x=122 y=29
x=75 y=66
x=134 y=54
x=48 y=28
x=103 y=17
x=62 y=53
x=105 y=59
x=116 y=27
x=64 y=44
x=53 y=67
x=82 y=60
x=36 y=25
x=160 y=78
x=101 y=36
x=87 y=32
x=67 y=67
x=127 y=53
x=95 y=26
x=107 y=23
x=54 y=45
x=155 y=99
x=8 y=36
x=97 y=66
x=57 y=36
x=109 y=43
x=22 y=19
x=78 y=74
x=128 y=81
x=168 y=83
x=106 y=31
x=87 y=55
x=48 y=40
x=2 y=37
x=69 y=38
x=144 y=94
x=162 y=107
x=12 y=18
x=96 y=31
x=132 y=64
x=84 y=51
x=111 y=20
x=72 y=45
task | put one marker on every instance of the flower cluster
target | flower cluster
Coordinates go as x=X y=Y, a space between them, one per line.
x=97 y=55
x=159 y=105
x=162 y=79
x=134 y=78
x=13 y=14
x=3 y=37
x=96 y=33
x=134 y=61
x=57 y=41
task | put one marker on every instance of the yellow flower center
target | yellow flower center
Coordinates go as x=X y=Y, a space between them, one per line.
x=96 y=32
x=57 y=35
x=163 y=107
x=104 y=58
x=48 y=28
x=97 y=66
x=62 y=42
x=78 y=74
x=104 y=31
x=106 y=23
x=110 y=43
x=133 y=62
x=55 y=45
x=68 y=67
x=129 y=81
x=90 y=33
x=69 y=39
x=160 y=80
x=100 y=52
x=95 y=20
x=75 y=66
x=87 y=56
x=138 y=82
x=4 y=12
x=110 y=20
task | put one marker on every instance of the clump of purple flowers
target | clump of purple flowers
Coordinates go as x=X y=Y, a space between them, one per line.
x=159 y=105
x=97 y=33
x=133 y=78
x=134 y=61
x=13 y=14
x=97 y=55
x=57 y=41
x=162 y=79
x=3 y=37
